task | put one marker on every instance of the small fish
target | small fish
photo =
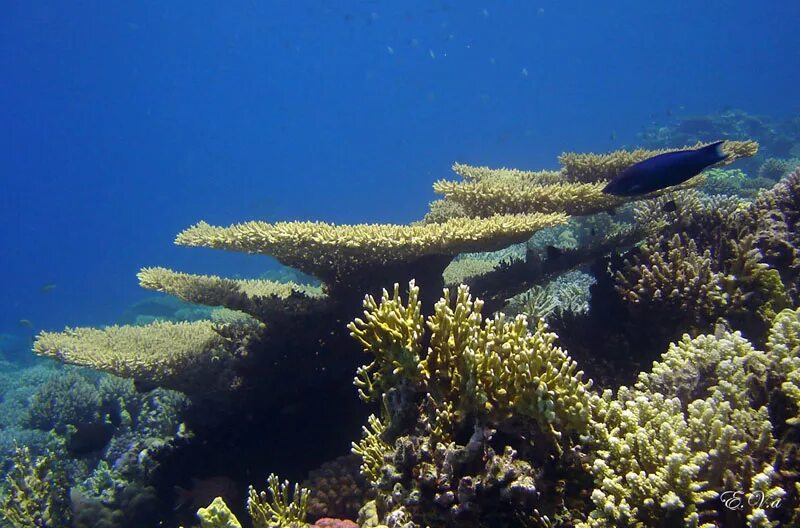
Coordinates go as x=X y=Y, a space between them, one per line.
x=25 y=323
x=47 y=288
x=669 y=207
x=664 y=170
x=613 y=136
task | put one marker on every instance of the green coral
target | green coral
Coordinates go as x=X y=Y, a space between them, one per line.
x=35 y=494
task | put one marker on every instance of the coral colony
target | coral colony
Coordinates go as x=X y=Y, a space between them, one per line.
x=493 y=343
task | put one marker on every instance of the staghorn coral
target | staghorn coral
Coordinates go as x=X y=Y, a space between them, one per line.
x=259 y=298
x=596 y=167
x=35 y=492
x=332 y=252
x=184 y=356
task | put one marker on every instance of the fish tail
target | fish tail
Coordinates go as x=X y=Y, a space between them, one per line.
x=715 y=152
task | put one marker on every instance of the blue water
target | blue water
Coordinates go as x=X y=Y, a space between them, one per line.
x=123 y=123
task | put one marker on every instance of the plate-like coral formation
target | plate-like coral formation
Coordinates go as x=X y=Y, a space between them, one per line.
x=482 y=418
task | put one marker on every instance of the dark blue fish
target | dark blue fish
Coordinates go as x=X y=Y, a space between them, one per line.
x=664 y=170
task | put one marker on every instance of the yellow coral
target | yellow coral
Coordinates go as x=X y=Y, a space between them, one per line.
x=331 y=251
x=473 y=174
x=217 y=515
x=277 y=507
x=255 y=297
x=495 y=368
x=597 y=167
x=174 y=355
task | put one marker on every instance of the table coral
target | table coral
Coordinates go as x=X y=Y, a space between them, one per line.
x=184 y=356
x=330 y=252
x=259 y=298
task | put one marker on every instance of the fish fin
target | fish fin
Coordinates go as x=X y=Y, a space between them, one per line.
x=715 y=149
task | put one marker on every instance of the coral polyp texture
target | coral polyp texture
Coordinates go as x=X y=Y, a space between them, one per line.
x=330 y=251
x=182 y=356
x=258 y=298
x=576 y=190
x=660 y=453
x=478 y=378
x=597 y=167
x=696 y=425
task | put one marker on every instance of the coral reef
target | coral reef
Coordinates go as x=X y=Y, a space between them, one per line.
x=259 y=298
x=479 y=380
x=337 y=489
x=190 y=357
x=332 y=252
x=568 y=294
x=35 y=492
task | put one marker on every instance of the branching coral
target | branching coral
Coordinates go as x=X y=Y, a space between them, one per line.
x=278 y=507
x=495 y=368
x=331 y=251
x=694 y=426
x=35 y=493
x=258 y=298
x=185 y=356
x=674 y=273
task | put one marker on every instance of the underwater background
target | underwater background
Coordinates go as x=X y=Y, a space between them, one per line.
x=127 y=123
